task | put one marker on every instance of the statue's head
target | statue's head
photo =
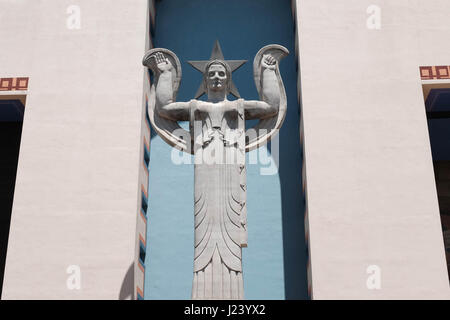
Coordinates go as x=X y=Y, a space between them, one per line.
x=217 y=76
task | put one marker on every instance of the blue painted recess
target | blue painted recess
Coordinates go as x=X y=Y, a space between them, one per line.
x=275 y=261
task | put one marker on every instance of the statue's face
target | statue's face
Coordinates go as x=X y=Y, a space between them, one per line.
x=217 y=77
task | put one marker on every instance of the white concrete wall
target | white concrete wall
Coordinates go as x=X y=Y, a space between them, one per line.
x=371 y=190
x=77 y=180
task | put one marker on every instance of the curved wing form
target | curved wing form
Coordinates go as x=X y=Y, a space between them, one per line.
x=169 y=131
x=265 y=129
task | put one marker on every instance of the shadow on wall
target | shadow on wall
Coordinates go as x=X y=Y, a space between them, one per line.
x=295 y=252
x=11 y=117
x=127 y=288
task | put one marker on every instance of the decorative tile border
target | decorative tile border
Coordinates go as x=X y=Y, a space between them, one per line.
x=14 y=84
x=434 y=72
x=434 y=79
x=139 y=294
x=141 y=228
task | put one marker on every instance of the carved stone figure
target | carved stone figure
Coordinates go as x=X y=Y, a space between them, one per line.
x=218 y=139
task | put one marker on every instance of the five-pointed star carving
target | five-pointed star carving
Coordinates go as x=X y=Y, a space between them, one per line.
x=217 y=55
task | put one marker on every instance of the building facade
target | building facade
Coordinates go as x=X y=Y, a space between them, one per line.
x=351 y=201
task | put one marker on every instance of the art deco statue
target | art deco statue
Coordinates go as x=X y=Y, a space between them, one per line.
x=218 y=139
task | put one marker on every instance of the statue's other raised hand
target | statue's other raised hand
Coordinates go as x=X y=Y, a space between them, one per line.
x=162 y=62
x=268 y=62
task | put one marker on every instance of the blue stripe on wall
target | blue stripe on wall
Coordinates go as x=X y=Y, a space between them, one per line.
x=275 y=261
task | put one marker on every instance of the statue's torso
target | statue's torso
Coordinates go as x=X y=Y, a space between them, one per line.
x=218 y=195
x=216 y=126
x=221 y=115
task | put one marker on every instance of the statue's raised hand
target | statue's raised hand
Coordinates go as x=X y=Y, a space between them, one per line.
x=268 y=62
x=162 y=63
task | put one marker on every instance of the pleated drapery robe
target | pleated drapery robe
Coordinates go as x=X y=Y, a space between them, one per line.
x=219 y=201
